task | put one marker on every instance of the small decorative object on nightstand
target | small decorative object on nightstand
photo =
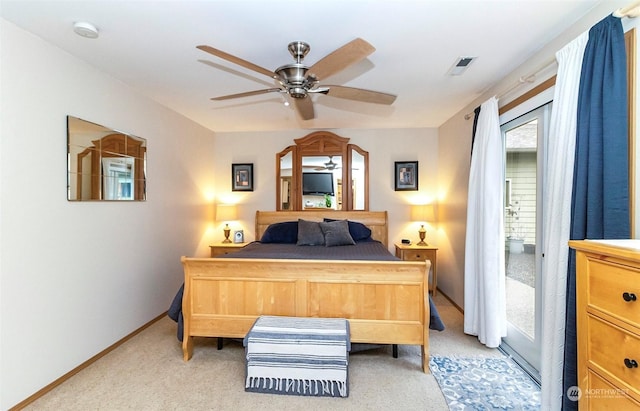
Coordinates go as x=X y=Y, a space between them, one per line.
x=415 y=252
x=225 y=248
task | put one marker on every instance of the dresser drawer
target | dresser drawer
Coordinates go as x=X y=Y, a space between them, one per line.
x=604 y=396
x=415 y=255
x=607 y=348
x=218 y=250
x=221 y=251
x=607 y=283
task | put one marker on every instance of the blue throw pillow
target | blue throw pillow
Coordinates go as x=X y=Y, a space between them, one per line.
x=358 y=231
x=283 y=233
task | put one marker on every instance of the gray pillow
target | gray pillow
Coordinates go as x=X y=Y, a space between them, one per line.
x=309 y=233
x=336 y=233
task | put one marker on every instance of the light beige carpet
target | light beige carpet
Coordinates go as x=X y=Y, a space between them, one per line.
x=147 y=373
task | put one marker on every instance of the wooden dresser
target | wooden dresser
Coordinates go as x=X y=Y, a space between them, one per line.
x=608 y=323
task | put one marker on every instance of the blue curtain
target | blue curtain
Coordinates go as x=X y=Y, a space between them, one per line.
x=600 y=198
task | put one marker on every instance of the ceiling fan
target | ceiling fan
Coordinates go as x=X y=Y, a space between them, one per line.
x=330 y=165
x=300 y=81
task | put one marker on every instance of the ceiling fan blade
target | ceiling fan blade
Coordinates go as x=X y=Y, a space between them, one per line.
x=341 y=58
x=238 y=61
x=246 y=94
x=360 y=94
x=304 y=107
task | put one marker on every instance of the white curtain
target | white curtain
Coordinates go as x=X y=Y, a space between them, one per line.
x=109 y=180
x=484 y=283
x=557 y=218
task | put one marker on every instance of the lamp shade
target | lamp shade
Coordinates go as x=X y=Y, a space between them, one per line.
x=226 y=212
x=422 y=212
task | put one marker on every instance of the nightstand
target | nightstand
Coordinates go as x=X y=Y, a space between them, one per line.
x=413 y=252
x=225 y=248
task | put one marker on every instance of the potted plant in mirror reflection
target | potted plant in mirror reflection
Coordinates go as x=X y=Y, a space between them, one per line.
x=516 y=230
x=327 y=200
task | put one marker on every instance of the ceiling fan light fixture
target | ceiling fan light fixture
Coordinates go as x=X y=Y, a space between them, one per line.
x=298 y=92
x=86 y=30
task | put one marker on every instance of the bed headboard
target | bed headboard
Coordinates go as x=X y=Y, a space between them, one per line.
x=375 y=220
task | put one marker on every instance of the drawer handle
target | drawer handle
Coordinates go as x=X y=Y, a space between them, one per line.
x=630 y=363
x=629 y=296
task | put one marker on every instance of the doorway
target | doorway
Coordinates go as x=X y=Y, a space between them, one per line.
x=524 y=140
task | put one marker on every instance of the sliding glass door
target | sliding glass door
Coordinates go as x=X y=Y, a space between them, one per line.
x=524 y=142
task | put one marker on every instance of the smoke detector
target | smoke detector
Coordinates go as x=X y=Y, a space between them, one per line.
x=85 y=29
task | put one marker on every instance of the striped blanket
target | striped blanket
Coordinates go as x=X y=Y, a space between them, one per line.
x=298 y=356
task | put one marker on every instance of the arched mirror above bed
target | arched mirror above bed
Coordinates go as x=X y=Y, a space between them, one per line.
x=322 y=171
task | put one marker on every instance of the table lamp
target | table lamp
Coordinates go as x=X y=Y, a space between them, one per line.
x=226 y=213
x=422 y=213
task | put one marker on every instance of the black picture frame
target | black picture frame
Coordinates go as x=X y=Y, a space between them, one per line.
x=406 y=173
x=242 y=177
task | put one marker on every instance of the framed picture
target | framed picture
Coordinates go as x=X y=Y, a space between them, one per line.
x=242 y=177
x=406 y=175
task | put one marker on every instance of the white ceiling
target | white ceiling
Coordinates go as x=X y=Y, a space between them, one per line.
x=151 y=46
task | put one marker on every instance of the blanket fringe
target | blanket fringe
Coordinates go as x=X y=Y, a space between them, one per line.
x=297 y=386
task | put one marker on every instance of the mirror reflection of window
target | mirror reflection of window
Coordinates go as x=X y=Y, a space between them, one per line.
x=358 y=180
x=286 y=172
x=118 y=178
x=104 y=164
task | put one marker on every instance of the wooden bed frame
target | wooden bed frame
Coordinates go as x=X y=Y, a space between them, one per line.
x=386 y=302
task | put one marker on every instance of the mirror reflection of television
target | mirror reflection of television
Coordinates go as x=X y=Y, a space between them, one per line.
x=317 y=183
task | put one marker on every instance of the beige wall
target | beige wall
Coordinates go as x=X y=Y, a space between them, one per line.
x=77 y=277
x=453 y=179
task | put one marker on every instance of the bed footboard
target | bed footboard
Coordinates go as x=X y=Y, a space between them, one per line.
x=386 y=302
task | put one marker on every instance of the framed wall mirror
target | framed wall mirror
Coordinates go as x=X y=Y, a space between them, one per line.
x=104 y=164
x=322 y=170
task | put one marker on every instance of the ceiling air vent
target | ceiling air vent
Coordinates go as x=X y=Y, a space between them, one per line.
x=461 y=65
